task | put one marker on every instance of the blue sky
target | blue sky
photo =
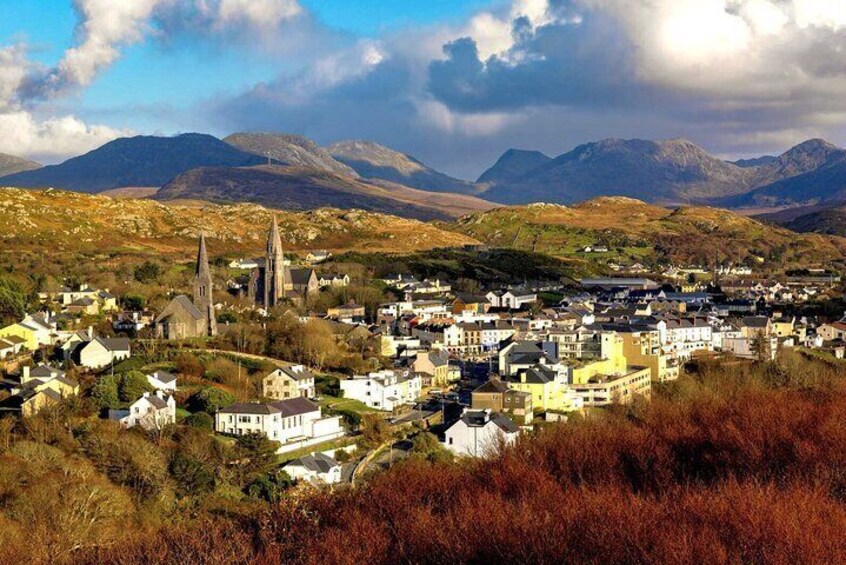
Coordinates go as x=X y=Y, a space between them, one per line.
x=453 y=82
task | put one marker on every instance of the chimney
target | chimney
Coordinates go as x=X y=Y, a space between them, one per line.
x=25 y=374
x=90 y=332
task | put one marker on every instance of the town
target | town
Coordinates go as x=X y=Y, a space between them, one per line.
x=446 y=368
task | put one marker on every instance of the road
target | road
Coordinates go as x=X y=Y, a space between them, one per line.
x=383 y=461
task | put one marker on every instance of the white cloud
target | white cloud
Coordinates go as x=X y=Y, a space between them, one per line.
x=264 y=15
x=494 y=32
x=13 y=71
x=106 y=26
x=755 y=48
x=55 y=138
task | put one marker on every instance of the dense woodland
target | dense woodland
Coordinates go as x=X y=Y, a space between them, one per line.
x=736 y=461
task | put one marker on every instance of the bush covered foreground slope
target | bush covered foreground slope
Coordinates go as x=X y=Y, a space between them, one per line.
x=739 y=463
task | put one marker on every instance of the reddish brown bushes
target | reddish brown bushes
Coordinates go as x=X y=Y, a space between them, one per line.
x=744 y=473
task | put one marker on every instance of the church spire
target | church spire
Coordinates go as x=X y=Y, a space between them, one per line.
x=274 y=271
x=202 y=270
x=203 y=287
x=274 y=240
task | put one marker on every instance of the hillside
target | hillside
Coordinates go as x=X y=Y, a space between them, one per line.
x=635 y=230
x=135 y=161
x=291 y=150
x=73 y=222
x=737 y=463
x=296 y=188
x=374 y=161
x=825 y=219
x=675 y=171
x=9 y=164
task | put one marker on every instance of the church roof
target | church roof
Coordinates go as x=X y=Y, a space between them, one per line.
x=185 y=303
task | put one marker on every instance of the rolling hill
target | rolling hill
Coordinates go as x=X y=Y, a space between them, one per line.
x=68 y=222
x=291 y=150
x=829 y=218
x=674 y=171
x=637 y=231
x=135 y=161
x=297 y=188
x=9 y=164
x=374 y=161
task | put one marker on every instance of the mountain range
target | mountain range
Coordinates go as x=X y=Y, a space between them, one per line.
x=668 y=172
x=295 y=172
x=135 y=161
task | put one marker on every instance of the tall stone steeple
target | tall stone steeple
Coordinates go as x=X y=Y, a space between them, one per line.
x=203 y=288
x=274 y=272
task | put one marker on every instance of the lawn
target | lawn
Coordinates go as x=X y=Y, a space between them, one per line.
x=335 y=403
x=325 y=446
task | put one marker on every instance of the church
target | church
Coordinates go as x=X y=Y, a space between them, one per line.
x=183 y=317
x=273 y=282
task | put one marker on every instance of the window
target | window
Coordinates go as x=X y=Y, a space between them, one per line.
x=449 y=440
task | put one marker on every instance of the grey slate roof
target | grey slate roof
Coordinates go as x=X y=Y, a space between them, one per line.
x=316 y=462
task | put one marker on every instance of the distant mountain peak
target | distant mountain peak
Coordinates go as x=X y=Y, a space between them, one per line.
x=143 y=160
x=375 y=161
x=10 y=164
x=288 y=149
x=513 y=164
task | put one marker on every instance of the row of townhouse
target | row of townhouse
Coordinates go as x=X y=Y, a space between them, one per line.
x=476 y=338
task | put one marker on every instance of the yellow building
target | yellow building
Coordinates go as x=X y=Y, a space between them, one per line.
x=547 y=387
x=611 y=379
x=27 y=334
x=37 y=393
x=642 y=348
x=783 y=327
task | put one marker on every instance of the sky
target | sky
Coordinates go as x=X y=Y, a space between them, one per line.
x=453 y=82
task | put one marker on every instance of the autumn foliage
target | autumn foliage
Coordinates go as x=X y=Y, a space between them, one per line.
x=738 y=463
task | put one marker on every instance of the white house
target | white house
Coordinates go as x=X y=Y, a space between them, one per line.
x=513 y=299
x=383 y=390
x=314 y=468
x=330 y=280
x=151 y=412
x=243 y=264
x=479 y=433
x=162 y=380
x=318 y=256
x=294 y=422
x=102 y=352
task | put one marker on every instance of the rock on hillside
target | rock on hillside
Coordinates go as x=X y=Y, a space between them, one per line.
x=67 y=222
x=637 y=231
